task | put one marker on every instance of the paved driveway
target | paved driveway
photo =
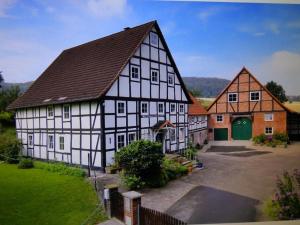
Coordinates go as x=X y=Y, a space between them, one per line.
x=231 y=188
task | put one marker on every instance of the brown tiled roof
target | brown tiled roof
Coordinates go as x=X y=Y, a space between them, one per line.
x=86 y=71
x=196 y=108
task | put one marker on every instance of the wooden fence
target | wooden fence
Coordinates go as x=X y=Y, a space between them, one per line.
x=117 y=207
x=152 y=217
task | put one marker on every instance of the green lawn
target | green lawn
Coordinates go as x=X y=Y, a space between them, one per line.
x=35 y=196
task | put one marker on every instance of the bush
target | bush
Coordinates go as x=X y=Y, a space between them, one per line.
x=174 y=169
x=132 y=181
x=25 y=164
x=141 y=159
x=260 y=139
x=282 y=137
x=60 y=168
x=190 y=153
x=10 y=148
x=6 y=119
x=286 y=202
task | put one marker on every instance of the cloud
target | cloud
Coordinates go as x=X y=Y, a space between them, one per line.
x=5 y=5
x=107 y=8
x=282 y=67
x=273 y=27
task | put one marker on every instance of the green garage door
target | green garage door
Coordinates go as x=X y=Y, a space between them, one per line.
x=242 y=129
x=220 y=134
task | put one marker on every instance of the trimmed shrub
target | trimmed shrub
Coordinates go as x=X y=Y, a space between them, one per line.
x=260 y=139
x=10 y=148
x=174 y=169
x=25 y=164
x=60 y=168
x=132 y=181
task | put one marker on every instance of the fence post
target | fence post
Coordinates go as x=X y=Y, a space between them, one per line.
x=132 y=202
x=108 y=192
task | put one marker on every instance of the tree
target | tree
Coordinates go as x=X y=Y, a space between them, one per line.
x=1 y=79
x=277 y=90
x=195 y=92
x=7 y=96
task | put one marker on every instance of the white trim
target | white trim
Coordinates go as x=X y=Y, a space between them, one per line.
x=30 y=140
x=144 y=113
x=232 y=93
x=172 y=129
x=119 y=135
x=49 y=146
x=129 y=133
x=173 y=79
x=69 y=113
x=157 y=73
x=121 y=113
x=268 y=114
x=171 y=108
x=139 y=72
x=181 y=105
x=61 y=144
x=163 y=108
x=258 y=95
x=221 y=121
x=52 y=109
x=269 y=133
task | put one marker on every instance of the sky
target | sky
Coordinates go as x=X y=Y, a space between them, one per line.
x=206 y=39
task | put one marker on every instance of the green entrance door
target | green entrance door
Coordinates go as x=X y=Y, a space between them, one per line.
x=220 y=134
x=241 y=129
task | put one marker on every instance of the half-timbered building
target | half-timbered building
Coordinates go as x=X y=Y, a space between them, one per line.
x=246 y=109
x=100 y=96
x=197 y=122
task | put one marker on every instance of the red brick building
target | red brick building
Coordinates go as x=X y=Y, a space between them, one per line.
x=245 y=109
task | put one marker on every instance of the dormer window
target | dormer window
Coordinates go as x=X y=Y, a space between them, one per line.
x=153 y=39
x=135 y=72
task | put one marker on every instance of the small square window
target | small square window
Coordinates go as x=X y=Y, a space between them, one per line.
x=269 y=130
x=171 y=79
x=219 y=118
x=121 y=141
x=50 y=142
x=153 y=39
x=172 y=107
x=254 y=96
x=181 y=108
x=232 y=97
x=50 y=111
x=172 y=135
x=131 y=138
x=135 y=72
x=61 y=143
x=30 y=140
x=268 y=116
x=121 y=108
x=66 y=112
x=154 y=76
x=161 y=108
x=144 y=108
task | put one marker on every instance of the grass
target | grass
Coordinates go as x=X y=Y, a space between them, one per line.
x=36 y=196
x=295 y=106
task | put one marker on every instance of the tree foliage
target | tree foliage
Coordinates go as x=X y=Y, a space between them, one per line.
x=277 y=90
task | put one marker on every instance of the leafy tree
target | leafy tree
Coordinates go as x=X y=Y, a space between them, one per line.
x=1 y=79
x=195 y=92
x=7 y=96
x=277 y=90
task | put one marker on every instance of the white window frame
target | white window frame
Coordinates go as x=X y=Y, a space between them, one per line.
x=50 y=144
x=181 y=134
x=66 y=113
x=163 y=108
x=267 y=133
x=251 y=100
x=172 y=133
x=269 y=116
x=232 y=93
x=173 y=79
x=61 y=145
x=157 y=73
x=220 y=121
x=171 y=111
x=154 y=36
x=138 y=74
x=48 y=111
x=181 y=106
x=124 y=141
x=30 y=140
x=147 y=104
x=124 y=108
x=129 y=139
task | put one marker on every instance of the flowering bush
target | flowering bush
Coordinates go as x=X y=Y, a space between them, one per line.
x=285 y=204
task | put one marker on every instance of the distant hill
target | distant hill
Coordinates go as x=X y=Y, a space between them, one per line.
x=208 y=86
x=23 y=86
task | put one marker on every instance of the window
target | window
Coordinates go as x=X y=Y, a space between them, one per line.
x=154 y=76
x=268 y=116
x=144 y=108
x=50 y=142
x=181 y=134
x=135 y=72
x=121 y=108
x=153 y=39
x=61 y=143
x=254 y=96
x=66 y=112
x=131 y=138
x=30 y=140
x=50 y=111
x=269 y=130
x=181 y=108
x=161 y=108
x=173 y=107
x=232 y=97
x=121 y=141
x=219 y=118
x=171 y=79
x=172 y=135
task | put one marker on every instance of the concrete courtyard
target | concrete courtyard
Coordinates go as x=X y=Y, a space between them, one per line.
x=231 y=187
